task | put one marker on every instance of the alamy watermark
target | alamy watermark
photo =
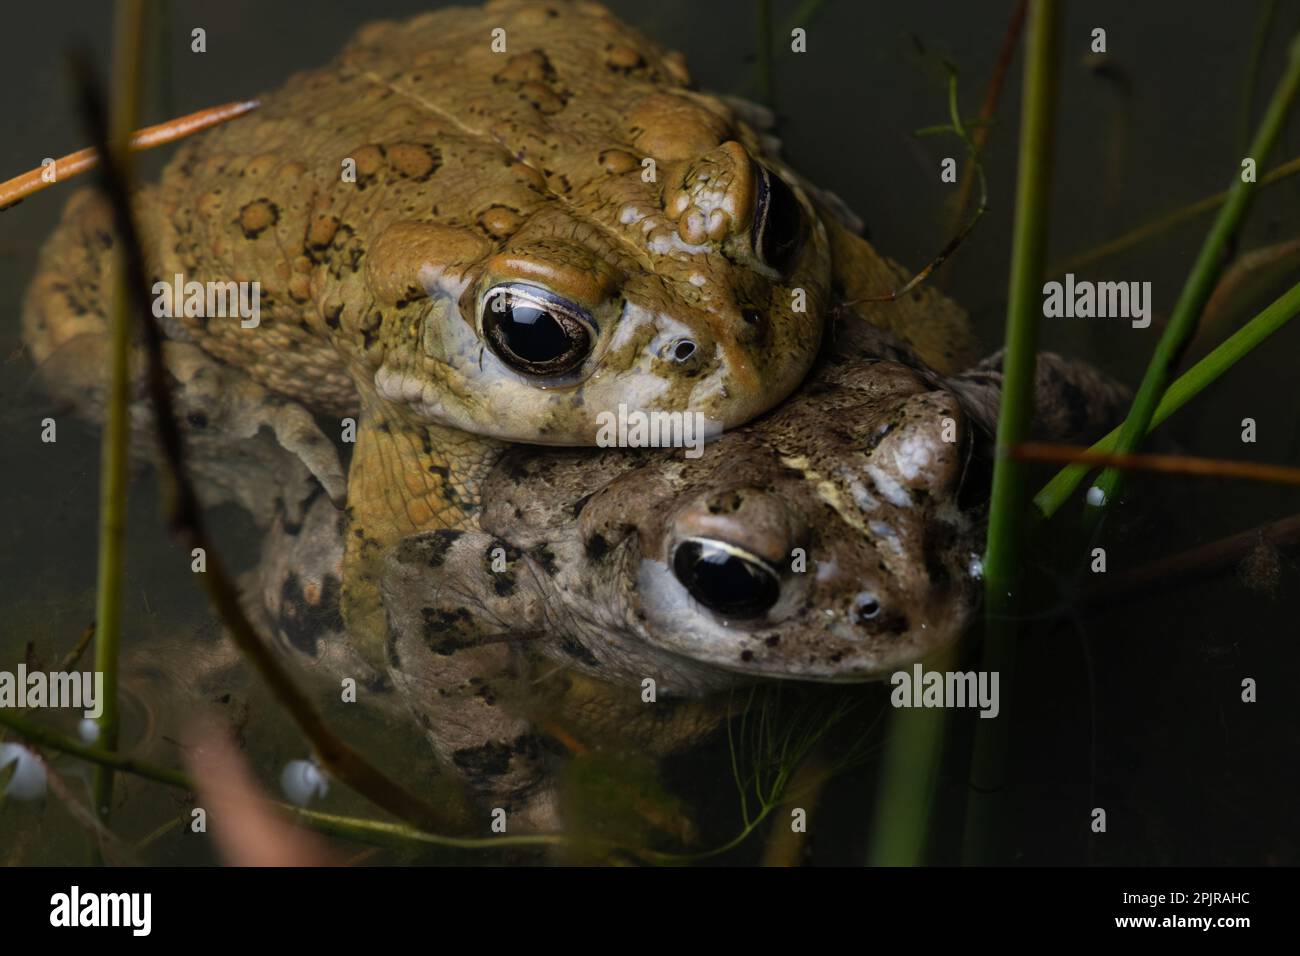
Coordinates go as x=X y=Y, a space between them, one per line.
x=82 y=690
x=75 y=908
x=208 y=300
x=1084 y=299
x=637 y=429
x=958 y=689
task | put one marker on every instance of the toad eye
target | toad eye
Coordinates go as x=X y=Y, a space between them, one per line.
x=535 y=332
x=725 y=578
x=778 y=221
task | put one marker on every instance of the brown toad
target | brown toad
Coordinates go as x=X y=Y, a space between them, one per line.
x=484 y=225
x=823 y=542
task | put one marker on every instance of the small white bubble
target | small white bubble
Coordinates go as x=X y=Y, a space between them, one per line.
x=976 y=567
x=28 y=780
x=302 y=781
x=88 y=730
x=1096 y=497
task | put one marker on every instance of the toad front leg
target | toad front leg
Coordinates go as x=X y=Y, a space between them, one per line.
x=454 y=655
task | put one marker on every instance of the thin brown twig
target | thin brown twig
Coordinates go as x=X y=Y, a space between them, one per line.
x=70 y=659
x=15 y=190
x=186 y=520
x=929 y=268
x=1165 y=464
x=1202 y=561
x=1154 y=228
x=992 y=94
x=951 y=246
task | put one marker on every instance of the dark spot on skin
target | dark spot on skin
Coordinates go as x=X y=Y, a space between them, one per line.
x=332 y=313
x=413 y=293
x=487 y=760
x=197 y=419
x=355 y=255
x=303 y=623
x=837 y=657
x=492 y=759
x=578 y=652
x=258 y=216
x=503 y=582
x=382 y=684
x=597 y=547
x=516 y=468
x=443 y=633
x=725 y=505
x=435 y=547
x=576 y=508
x=546 y=558
x=746 y=656
x=369 y=328
x=774 y=640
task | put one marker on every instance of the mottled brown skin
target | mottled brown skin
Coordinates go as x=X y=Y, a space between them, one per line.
x=474 y=168
x=859 y=471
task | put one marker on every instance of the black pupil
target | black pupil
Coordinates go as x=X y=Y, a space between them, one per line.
x=533 y=333
x=723 y=581
x=779 y=221
x=532 y=338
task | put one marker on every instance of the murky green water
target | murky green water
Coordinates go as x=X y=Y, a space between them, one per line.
x=1134 y=707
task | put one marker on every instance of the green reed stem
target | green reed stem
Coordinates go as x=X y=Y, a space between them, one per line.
x=910 y=770
x=1263 y=30
x=1028 y=246
x=1007 y=502
x=129 y=29
x=1200 y=283
x=38 y=733
x=1152 y=229
x=901 y=823
x=1188 y=385
x=374 y=832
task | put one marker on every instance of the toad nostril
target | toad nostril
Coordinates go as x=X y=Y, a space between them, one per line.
x=866 y=607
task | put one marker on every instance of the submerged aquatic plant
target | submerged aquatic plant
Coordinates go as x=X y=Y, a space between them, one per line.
x=778 y=730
